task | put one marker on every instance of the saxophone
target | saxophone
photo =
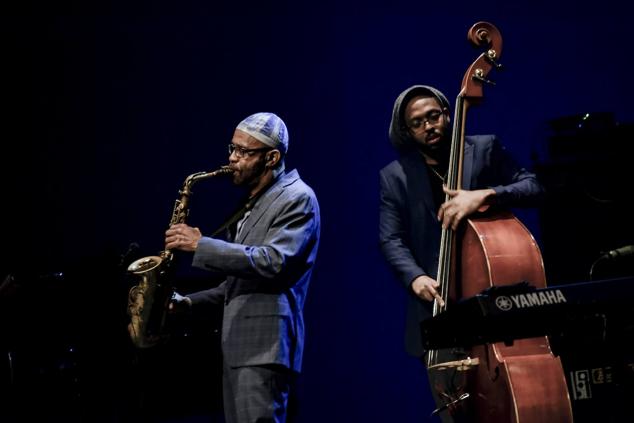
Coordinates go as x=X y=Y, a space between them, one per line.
x=148 y=301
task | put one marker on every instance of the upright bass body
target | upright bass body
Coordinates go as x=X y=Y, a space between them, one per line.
x=149 y=299
x=523 y=382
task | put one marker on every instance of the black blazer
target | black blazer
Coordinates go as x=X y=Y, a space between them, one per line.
x=408 y=229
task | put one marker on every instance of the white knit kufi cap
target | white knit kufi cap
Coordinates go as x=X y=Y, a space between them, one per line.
x=267 y=128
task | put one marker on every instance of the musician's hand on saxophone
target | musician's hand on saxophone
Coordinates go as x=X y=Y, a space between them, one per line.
x=182 y=237
x=179 y=303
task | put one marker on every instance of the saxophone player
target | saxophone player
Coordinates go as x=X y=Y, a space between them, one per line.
x=267 y=261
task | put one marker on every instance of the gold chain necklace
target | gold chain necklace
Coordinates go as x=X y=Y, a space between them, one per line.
x=442 y=178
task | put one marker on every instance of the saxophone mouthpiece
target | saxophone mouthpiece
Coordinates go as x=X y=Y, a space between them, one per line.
x=226 y=169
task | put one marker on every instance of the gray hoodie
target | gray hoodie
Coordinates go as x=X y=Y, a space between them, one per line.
x=399 y=136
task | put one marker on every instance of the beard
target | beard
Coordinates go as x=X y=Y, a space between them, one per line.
x=249 y=176
x=439 y=151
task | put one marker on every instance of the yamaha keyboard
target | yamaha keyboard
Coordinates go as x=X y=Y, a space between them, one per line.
x=587 y=312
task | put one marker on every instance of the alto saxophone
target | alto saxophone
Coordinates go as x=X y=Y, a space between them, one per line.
x=148 y=301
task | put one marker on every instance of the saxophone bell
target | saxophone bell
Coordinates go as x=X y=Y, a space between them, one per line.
x=146 y=300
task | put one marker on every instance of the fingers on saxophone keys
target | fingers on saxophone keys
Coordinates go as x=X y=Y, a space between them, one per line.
x=173 y=229
x=171 y=240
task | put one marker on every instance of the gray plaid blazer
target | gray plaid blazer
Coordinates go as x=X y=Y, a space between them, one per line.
x=268 y=269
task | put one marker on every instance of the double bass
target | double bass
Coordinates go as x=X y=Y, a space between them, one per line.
x=520 y=383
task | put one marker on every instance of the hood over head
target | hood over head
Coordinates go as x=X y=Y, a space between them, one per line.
x=399 y=135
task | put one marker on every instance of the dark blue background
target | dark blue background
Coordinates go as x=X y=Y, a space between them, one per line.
x=108 y=110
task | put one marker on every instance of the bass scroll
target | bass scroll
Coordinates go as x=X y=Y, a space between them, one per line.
x=148 y=300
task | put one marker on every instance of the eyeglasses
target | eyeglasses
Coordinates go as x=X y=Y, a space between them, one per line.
x=241 y=152
x=432 y=118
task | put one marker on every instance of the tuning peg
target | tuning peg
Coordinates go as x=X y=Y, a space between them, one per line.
x=497 y=65
x=478 y=77
x=491 y=56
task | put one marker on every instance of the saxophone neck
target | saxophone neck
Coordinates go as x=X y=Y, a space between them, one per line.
x=195 y=177
x=181 y=207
